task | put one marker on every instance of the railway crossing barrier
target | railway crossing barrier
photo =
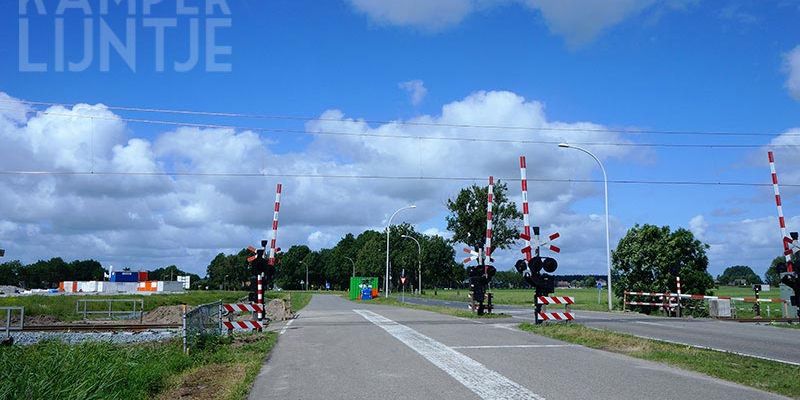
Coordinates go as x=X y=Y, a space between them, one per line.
x=670 y=301
x=559 y=316
x=243 y=325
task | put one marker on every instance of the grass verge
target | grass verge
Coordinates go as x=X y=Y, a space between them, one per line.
x=438 y=309
x=300 y=300
x=783 y=325
x=224 y=367
x=765 y=375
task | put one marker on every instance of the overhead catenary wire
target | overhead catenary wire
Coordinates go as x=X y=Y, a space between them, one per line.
x=380 y=177
x=411 y=123
x=407 y=137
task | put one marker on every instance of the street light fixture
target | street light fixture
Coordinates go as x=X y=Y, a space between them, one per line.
x=303 y=263
x=419 y=260
x=354 y=266
x=608 y=239
x=388 y=227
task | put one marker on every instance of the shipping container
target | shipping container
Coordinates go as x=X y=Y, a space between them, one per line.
x=125 y=276
x=143 y=276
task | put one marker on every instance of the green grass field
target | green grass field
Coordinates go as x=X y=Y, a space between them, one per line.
x=63 y=307
x=587 y=299
x=53 y=370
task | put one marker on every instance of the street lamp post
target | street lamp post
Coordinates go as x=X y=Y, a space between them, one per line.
x=388 y=227
x=419 y=260
x=354 y=266
x=608 y=238
x=303 y=263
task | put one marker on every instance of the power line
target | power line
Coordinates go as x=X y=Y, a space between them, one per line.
x=382 y=177
x=407 y=137
x=415 y=123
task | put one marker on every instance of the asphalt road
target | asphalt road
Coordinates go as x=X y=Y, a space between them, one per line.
x=751 y=339
x=338 y=349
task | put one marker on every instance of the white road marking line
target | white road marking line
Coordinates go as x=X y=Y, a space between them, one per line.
x=285 y=327
x=484 y=382
x=654 y=324
x=514 y=346
x=511 y=327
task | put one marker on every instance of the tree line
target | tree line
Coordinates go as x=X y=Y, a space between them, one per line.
x=362 y=255
x=47 y=274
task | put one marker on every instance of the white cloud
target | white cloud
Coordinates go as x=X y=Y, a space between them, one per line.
x=416 y=90
x=698 y=226
x=424 y=14
x=792 y=67
x=151 y=221
x=578 y=21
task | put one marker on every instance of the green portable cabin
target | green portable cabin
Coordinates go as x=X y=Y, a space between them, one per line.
x=358 y=283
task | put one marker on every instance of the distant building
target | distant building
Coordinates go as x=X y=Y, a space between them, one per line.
x=563 y=284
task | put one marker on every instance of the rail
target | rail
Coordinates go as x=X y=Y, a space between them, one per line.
x=99 y=327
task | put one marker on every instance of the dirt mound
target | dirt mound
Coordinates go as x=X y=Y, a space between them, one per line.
x=165 y=315
x=277 y=310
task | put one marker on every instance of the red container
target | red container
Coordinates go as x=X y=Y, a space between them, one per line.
x=142 y=276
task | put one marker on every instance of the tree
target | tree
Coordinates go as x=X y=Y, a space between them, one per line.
x=291 y=271
x=736 y=273
x=229 y=271
x=171 y=273
x=467 y=219
x=10 y=273
x=645 y=257
x=778 y=265
x=589 y=282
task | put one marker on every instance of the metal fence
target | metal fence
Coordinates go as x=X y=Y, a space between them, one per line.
x=200 y=323
x=122 y=308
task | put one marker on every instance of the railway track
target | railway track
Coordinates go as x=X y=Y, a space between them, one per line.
x=99 y=327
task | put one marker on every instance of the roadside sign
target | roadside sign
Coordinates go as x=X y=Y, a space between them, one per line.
x=403 y=280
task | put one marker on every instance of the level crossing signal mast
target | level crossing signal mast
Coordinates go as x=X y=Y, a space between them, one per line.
x=542 y=282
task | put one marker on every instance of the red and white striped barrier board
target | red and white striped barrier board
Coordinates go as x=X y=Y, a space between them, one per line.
x=787 y=251
x=547 y=300
x=243 y=325
x=237 y=308
x=556 y=316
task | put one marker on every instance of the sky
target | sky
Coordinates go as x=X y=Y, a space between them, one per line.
x=417 y=98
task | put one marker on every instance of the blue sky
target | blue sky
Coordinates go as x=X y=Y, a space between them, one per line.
x=681 y=65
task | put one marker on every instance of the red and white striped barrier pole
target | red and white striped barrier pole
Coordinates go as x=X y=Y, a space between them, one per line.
x=678 y=286
x=523 y=172
x=274 y=241
x=272 y=247
x=487 y=251
x=787 y=252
